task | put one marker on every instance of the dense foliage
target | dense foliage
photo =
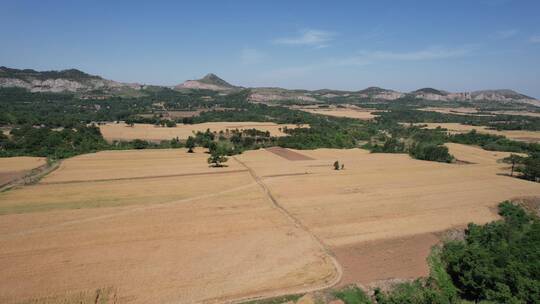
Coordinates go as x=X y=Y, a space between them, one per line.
x=499 y=261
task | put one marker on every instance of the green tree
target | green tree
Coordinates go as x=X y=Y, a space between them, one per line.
x=513 y=159
x=218 y=156
x=190 y=144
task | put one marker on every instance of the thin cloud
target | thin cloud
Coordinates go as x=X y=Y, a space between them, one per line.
x=431 y=53
x=371 y=57
x=310 y=37
x=251 y=56
x=535 y=39
x=505 y=34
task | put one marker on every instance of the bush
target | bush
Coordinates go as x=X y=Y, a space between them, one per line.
x=431 y=152
x=352 y=295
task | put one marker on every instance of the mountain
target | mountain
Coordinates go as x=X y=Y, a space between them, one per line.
x=71 y=80
x=486 y=95
x=208 y=82
x=76 y=81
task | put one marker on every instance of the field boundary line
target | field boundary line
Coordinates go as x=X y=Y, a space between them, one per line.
x=298 y=224
x=139 y=177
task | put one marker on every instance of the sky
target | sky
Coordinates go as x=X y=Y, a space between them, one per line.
x=401 y=45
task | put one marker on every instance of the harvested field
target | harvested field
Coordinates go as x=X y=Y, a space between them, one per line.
x=528 y=136
x=12 y=168
x=121 y=131
x=159 y=239
x=522 y=113
x=351 y=112
x=161 y=226
x=386 y=196
x=475 y=112
x=372 y=261
x=455 y=111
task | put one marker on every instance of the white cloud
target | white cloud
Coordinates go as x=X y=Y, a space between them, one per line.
x=251 y=56
x=310 y=37
x=370 y=57
x=535 y=39
x=505 y=34
x=430 y=53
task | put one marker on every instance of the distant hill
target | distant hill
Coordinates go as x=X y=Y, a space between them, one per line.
x=430 y=91
x=208 y=82
x=73 y=80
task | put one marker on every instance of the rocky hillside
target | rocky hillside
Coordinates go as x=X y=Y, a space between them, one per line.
x=380 y=94
x=489 y=95
x=76 y=81
x=208 y=82
x=71 y=80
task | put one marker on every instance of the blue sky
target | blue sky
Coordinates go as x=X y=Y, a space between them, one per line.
x=402 y=45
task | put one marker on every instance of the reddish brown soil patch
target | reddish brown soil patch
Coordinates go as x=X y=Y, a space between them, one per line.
x=7 y=177
x=288 y=154
x=372 y=261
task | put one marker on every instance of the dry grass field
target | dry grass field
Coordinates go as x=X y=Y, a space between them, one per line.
x=156 y=226
x=528 y=136
x=386 y=197
x=15 y=167
x=151 y=236
x=121 y=131
x=474 y=111
x=351 y=112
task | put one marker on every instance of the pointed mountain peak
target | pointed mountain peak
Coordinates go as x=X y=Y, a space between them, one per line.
x=215 y=80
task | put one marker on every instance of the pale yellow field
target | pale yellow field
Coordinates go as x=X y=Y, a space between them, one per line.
x=190 y=238
x=456 y=111
x=350 y=112
x=474 y=111
x=529 y=136
x=387 y=195
x=262 y=226
x=523 y=113
x=121 y=131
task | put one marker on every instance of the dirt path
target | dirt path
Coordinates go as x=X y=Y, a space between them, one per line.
x=299 y=224
x=31 y=177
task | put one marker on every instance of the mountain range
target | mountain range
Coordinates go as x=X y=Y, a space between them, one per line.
x=76 y=81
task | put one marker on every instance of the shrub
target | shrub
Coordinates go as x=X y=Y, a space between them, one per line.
x=431 y=152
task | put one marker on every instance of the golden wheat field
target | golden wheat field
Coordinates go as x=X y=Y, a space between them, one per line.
x=528 y=136
x=204 y=234
x=351 y=112
x=161 y=226
x=120 y=131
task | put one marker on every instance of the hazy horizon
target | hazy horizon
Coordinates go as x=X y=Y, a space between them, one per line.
x=457 y=46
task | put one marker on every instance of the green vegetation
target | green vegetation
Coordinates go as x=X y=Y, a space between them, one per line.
x=431 y=152
x=218 y=154
x=498 y=262
x=528 y=167
x=494 y=142
x=352 y=295
x=49 y=112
